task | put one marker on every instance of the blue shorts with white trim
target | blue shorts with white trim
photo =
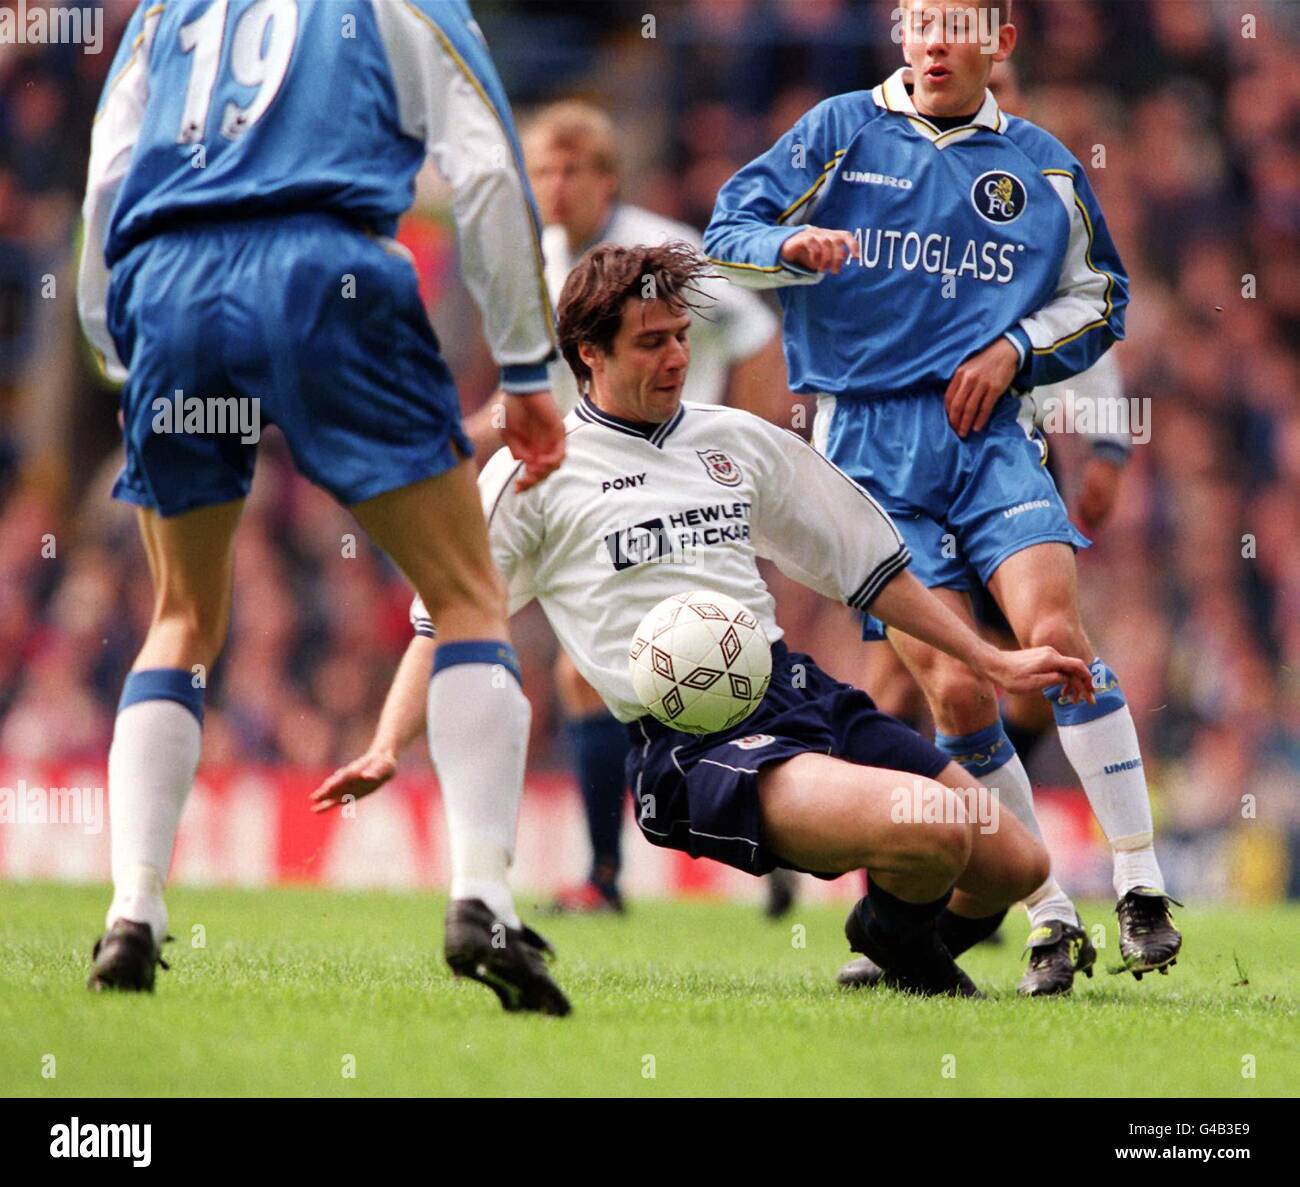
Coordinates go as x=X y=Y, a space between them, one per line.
x=303 y=321
x=700 y=794
x=962 y=506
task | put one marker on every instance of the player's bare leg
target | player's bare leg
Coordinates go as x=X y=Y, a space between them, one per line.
x=478 y=719
x=829 y=815
x=158 y=733
x=1001 y=847
x=599 y=744
x=1038 y=592
x=887 y=681
x=969 y=729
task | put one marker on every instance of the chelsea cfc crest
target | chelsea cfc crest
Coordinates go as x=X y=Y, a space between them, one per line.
x=999 y=197
x=720 y=467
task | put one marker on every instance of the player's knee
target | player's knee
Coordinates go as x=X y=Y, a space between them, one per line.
x=940 y=844
x=953 y=844
x=960 y=696
x=1060 y=630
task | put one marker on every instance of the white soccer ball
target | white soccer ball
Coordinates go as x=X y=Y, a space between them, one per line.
x=700 y=662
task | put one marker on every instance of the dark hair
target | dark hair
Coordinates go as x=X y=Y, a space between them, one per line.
x=608 y=277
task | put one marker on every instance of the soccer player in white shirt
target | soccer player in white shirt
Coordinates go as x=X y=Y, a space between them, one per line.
x=816 y=779
x=571 y=150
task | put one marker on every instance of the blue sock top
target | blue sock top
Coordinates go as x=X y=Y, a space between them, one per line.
x=1105 y=686
x=980 y=753
x=477 y=651
x=163 y=684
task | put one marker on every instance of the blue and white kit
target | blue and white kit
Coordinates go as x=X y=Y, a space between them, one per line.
x=249 y=163
x=983 y=231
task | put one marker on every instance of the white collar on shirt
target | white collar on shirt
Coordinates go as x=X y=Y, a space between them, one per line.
x=893 y=95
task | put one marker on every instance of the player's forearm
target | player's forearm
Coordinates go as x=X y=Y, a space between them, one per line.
x=758 y=384
x=402 y=717
x=907 y=605
x=744 y=245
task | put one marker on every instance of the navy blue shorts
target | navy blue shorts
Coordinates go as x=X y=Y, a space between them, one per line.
x=319 y=322
x=700 y=794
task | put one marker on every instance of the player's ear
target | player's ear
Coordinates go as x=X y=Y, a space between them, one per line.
x=1007 y=37
x=590 y=355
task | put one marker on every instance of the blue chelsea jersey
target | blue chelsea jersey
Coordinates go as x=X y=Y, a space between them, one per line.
x=967 y=235
x=231 y=108
x=260 y=106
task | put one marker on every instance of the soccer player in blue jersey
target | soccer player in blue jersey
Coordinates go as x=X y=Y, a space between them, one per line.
x=249 y=163
x=936 y=258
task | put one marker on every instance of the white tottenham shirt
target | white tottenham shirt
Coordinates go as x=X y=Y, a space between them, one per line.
x=638 y=513
x=730 y=325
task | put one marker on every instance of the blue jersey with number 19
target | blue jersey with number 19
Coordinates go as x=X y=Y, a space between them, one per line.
x=231 y=108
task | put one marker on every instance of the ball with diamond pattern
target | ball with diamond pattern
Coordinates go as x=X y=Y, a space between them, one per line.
x=700 y=662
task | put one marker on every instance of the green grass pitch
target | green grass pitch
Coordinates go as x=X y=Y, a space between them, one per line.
x=322 y=993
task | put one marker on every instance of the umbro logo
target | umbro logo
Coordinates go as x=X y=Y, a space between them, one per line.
x=624 y=483
x=860 y=178
x=1114 y=768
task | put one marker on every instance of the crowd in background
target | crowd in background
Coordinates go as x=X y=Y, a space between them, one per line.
x=1187 y=117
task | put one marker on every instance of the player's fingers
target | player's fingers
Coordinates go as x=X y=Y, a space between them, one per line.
x=975 y=393
x=538 y=464
x=976 y=399
x=535 y=470
x=326 y=797
x=846 y=249
x=949 y=394
x=986 y=407
x=966 y=398
x=327 y=787
x=1074 y=675
x=956 y=404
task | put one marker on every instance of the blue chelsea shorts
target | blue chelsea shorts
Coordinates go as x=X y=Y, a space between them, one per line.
x=961 y=506
x=319 y=322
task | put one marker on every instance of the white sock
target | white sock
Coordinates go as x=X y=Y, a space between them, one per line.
x=151 y=767
x=1104 y=754
x=1049 y=901
x=478 y=737
x=1137 y=866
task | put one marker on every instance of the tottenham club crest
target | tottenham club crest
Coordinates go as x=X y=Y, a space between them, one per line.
x=721 y=468
x=999 y=197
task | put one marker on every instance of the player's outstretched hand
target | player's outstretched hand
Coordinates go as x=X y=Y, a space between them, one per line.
x=359 y=778
x=1037 y=668
x=979 y=383
x=820 y=250
x=534 y=434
